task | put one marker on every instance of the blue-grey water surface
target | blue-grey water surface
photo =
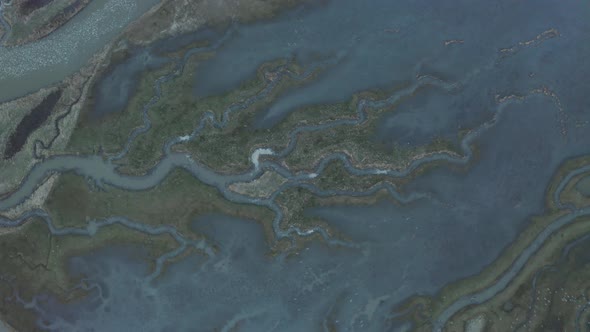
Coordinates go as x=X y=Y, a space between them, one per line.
x=402 y=250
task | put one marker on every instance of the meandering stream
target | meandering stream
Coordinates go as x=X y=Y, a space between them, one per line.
x=443 y=225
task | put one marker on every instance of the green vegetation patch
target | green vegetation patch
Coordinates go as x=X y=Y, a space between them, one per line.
x=357 y=142
x=34 y=262
x=229 y=149
x=112 y=130
x=336 y=177
x=176 y=201
x=178 y=113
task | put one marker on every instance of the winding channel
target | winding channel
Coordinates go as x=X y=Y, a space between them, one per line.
x=514 y=269
x=103 y=171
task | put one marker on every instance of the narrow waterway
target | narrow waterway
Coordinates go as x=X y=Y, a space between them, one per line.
x=515 y=268
x=447 y=223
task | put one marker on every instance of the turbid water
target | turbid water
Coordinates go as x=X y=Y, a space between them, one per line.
x=453 y=223
x=32 y=66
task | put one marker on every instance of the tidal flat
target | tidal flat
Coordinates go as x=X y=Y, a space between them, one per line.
x=424 y=168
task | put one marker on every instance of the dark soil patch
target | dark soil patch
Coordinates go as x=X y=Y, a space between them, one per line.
x=29 y=6
x=30 y=123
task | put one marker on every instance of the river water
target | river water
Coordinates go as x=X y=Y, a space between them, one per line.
x=32 y=66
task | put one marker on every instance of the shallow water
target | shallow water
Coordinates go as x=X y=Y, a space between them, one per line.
x=380 y=43
x=120 y=83
x=239 y=285
x=462 y=226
